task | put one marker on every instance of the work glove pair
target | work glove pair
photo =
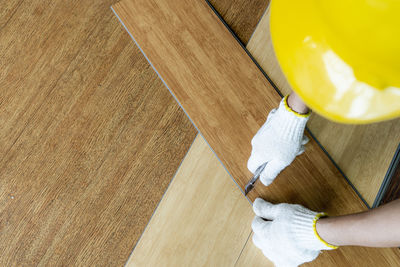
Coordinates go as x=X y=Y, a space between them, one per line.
x=285 y=233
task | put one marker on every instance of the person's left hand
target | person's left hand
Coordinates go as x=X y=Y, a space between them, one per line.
x=286 y=233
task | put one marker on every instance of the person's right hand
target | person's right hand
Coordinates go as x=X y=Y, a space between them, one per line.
x=278 y=142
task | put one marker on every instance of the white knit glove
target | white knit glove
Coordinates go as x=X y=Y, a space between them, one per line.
x=278 y=142
x=289 y=237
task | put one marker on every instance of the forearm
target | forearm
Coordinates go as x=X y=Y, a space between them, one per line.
x=379 y=227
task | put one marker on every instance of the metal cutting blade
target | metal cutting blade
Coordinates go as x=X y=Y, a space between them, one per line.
x=253 y=180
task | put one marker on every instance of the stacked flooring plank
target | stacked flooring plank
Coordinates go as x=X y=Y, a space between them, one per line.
x=228 y=99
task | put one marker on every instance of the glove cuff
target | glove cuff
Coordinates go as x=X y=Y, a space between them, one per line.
x=306 y=232
x=292 y=123
x=284 y=101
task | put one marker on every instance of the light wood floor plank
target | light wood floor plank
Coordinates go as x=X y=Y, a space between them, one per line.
x=228 y=99
x=362 y=152
x=202 y=220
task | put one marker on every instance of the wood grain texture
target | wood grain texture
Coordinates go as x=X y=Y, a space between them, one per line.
x=90 y=137
x=7 y=10
x=362 y=152
x=241 y=16
x=228 y=99
x=202 y=220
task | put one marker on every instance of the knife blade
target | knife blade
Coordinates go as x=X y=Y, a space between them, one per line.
x=253 y=180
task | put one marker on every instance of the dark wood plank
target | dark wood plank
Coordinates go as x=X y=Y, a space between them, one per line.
x=240 y=15
x=90 y=137
x=228 y=99
x=392 y=190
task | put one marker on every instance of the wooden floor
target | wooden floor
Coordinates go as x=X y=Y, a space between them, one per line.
x=228 y=99
x=90 y=137
x=363 y=152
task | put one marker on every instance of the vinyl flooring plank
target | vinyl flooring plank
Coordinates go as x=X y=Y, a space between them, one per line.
x=189 y=227
x=228 y=99
x=362 y=152
x=90 y=137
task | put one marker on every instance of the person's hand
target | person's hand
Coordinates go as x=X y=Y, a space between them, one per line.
x=286 y=233
x=278 y=142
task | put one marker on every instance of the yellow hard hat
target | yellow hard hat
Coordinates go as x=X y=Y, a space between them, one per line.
x=341 y=57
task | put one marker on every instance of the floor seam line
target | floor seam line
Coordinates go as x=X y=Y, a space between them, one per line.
x=244 y=246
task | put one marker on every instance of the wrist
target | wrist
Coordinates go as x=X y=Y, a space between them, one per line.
x=319 y=220
x=295 y=103
x=341 y=230
x=306 y=232
x=326 y=228
x=291 y=124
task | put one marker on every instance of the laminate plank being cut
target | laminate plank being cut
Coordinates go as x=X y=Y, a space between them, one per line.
x=362 y=152
x=228 y=98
